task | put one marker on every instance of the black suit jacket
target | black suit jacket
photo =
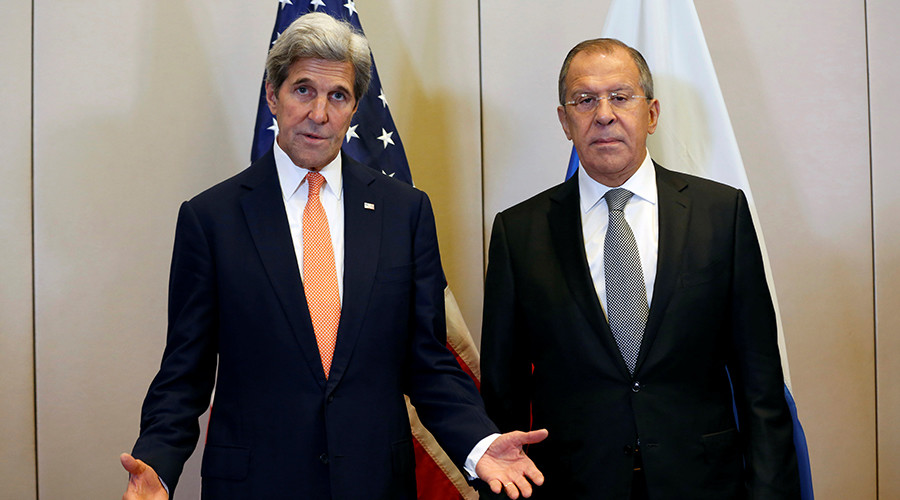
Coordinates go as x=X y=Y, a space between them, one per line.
x=238 y=320
x=711 y=315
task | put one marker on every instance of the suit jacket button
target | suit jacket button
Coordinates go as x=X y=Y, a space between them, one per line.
x=636 y=387
x=330 y=398
x=629 y=449
x=323 y=458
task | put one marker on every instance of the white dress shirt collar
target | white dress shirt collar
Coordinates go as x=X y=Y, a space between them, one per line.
x=292 y=177
x=642 y=183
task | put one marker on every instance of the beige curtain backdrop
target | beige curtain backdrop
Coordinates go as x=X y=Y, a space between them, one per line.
x=17 y=451
x=114 y=112
x=884 y=79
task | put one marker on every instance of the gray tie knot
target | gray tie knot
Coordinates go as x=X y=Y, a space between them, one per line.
x=617 y=198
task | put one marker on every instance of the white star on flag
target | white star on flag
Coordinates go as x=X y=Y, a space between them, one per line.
x=274 y=127
x=276 y=38
x=388 y=174
x=383 y=98
x=350 y=7
x=316 y=4
x=351 y=132
x=283 y=2
x=385 y=137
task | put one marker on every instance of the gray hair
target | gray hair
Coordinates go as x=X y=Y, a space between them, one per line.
x=606 y=46
x=320 y=36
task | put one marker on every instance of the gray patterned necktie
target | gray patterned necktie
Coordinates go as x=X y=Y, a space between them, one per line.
x=626 y=295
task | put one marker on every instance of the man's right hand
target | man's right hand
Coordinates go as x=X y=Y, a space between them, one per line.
x=143 y=482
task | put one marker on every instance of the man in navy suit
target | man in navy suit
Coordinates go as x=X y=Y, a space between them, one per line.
x=302 y=411
x=623 y=305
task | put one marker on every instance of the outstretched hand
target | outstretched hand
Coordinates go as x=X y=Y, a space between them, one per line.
x=505 y=466
x=143 y=482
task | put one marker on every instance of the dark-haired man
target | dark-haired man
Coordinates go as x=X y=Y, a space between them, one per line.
x=617 y=305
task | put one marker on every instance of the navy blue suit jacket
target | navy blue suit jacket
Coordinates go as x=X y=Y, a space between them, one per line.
x=710 y=315
x=238 y=320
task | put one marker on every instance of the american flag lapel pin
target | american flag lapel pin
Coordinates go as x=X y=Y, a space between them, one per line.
x=368 y=206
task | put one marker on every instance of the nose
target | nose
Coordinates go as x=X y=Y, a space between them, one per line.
x=319 y=110
x=604 y=114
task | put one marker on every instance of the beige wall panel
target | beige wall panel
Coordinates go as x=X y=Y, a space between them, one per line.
x=427 y=58
x=523 y=45
x=17 y=474
x=804 y=142
x=884 y=75
x=138 y=106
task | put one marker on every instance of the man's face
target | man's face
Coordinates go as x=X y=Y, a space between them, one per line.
x=313 y=109
x=611 y=143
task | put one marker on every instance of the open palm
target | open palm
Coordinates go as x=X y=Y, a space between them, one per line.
x=505 y=466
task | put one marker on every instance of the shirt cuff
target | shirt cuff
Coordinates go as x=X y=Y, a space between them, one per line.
x=476 y=454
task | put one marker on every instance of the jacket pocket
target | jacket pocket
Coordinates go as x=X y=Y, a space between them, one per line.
x=720 y=445
x=225 y=462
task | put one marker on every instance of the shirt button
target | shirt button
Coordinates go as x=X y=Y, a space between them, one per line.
x=636 y=387
x=323 y=458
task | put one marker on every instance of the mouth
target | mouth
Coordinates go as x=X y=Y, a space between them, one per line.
x=312 y=137
x=605 y=141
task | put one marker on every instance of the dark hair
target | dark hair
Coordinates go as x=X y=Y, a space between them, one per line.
x=606 y=46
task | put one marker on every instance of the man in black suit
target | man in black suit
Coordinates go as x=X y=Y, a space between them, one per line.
x=308 y=290
x=623 y=305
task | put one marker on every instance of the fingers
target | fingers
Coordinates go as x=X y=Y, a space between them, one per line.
x=534 y=475
x=537 y=436
x=512 y=488
x=518 y=439
x=508 y=467
x=522 y=485
x=131 y=464
x=143 y=482
x=509 y=488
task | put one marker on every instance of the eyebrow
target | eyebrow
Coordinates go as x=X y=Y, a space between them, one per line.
x=618 y=88
x=339 y=88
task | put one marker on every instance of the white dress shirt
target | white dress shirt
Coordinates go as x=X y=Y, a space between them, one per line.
x=641 y=213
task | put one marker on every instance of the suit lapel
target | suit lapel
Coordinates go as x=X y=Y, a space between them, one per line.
x=674 y=216
x=263 y=207
x=362 y=239
x=564 y=219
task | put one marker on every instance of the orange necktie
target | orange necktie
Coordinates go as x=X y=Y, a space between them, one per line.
x=319 y=276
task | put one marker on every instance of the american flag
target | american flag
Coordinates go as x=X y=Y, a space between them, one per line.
x=373 y=140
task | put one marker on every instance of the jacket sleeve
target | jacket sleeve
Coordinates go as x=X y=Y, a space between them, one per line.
x=445 y=397
x=181 y=390
x=756 y=372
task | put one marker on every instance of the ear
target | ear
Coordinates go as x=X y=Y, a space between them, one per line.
x=561 y=113
x=654 y=116
x=271 y=97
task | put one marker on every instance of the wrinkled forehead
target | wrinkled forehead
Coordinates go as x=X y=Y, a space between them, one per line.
x=597 y=71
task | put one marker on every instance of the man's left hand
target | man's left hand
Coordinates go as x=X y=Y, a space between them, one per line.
x=505 y=466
